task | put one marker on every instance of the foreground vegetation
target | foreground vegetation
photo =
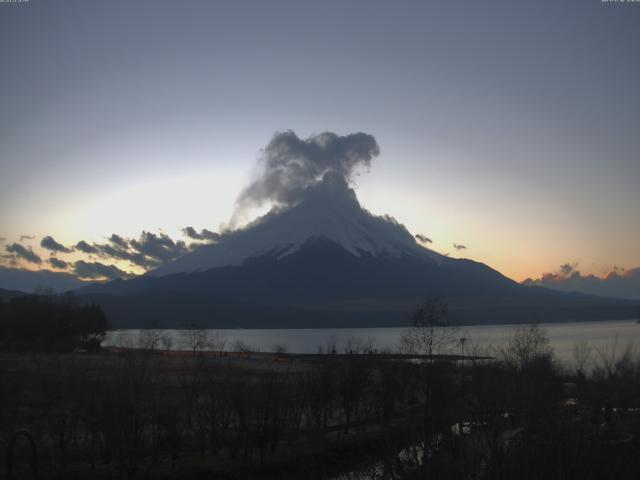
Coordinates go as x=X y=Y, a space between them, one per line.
x=49 y=323
x=147 y=415
x=153 y=413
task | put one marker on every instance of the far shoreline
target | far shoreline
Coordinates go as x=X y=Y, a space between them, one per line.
x=378 y=327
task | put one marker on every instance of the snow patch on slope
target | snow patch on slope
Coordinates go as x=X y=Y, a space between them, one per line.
x=338 y=218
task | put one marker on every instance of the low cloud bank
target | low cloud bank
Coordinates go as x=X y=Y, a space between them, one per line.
x=618 y=283
x=98 y=271
x=57 y=263
x=149 y=250
x=17 y=251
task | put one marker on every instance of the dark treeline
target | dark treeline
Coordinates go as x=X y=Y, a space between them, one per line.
x=50 y=323
x=144 y=415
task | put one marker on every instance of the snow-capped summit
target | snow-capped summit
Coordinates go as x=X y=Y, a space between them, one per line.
x=327 y=212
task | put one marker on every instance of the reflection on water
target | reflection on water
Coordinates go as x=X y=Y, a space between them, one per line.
x=601 y=336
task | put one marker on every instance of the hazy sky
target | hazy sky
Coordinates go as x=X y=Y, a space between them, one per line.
x=509 y=127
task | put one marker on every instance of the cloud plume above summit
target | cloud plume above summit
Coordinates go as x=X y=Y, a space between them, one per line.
x=290 y=165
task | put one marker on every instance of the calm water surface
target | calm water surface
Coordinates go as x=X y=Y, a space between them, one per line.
x=602 y=336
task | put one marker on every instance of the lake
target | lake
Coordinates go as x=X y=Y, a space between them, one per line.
x=602 y=336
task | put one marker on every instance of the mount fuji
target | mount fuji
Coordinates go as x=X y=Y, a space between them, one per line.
x=328 y=213
x=328 y=262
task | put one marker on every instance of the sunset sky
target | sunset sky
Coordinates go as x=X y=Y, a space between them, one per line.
x=507 y=127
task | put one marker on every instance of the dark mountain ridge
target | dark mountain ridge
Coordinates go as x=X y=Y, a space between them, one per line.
x=323 y=285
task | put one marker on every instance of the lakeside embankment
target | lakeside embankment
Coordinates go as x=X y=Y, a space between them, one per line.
x=601 y=336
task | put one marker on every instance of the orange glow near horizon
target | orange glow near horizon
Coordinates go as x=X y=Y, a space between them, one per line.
x=519 y=239
x=524 y=268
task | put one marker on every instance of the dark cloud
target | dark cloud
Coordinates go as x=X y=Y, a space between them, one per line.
x=118 y=241
x=50 y=244
x=98 y=271
x=568 y=269
x=148 y=251
x=108 y=250
x=204 y=234
x=458 y=246
x=26 y=237
x=617 y=283
x=23 y=252
x=84 y=247
x=158 y=249
x=289 y=166
x=57 y=263
x=423 y=238
x=191 y=233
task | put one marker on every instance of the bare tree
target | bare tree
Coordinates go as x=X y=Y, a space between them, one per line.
x=149 y=340
x=216 y=341
x=242 y=347
x=167 y=342
x=430 y=331
x=528 y=344
x=330 y=347
x=279 y=348
x=196 y=338
x=359 y=346
x=581 y=356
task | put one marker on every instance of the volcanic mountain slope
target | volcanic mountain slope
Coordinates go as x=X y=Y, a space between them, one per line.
x=328 y=213
x=327 y=262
